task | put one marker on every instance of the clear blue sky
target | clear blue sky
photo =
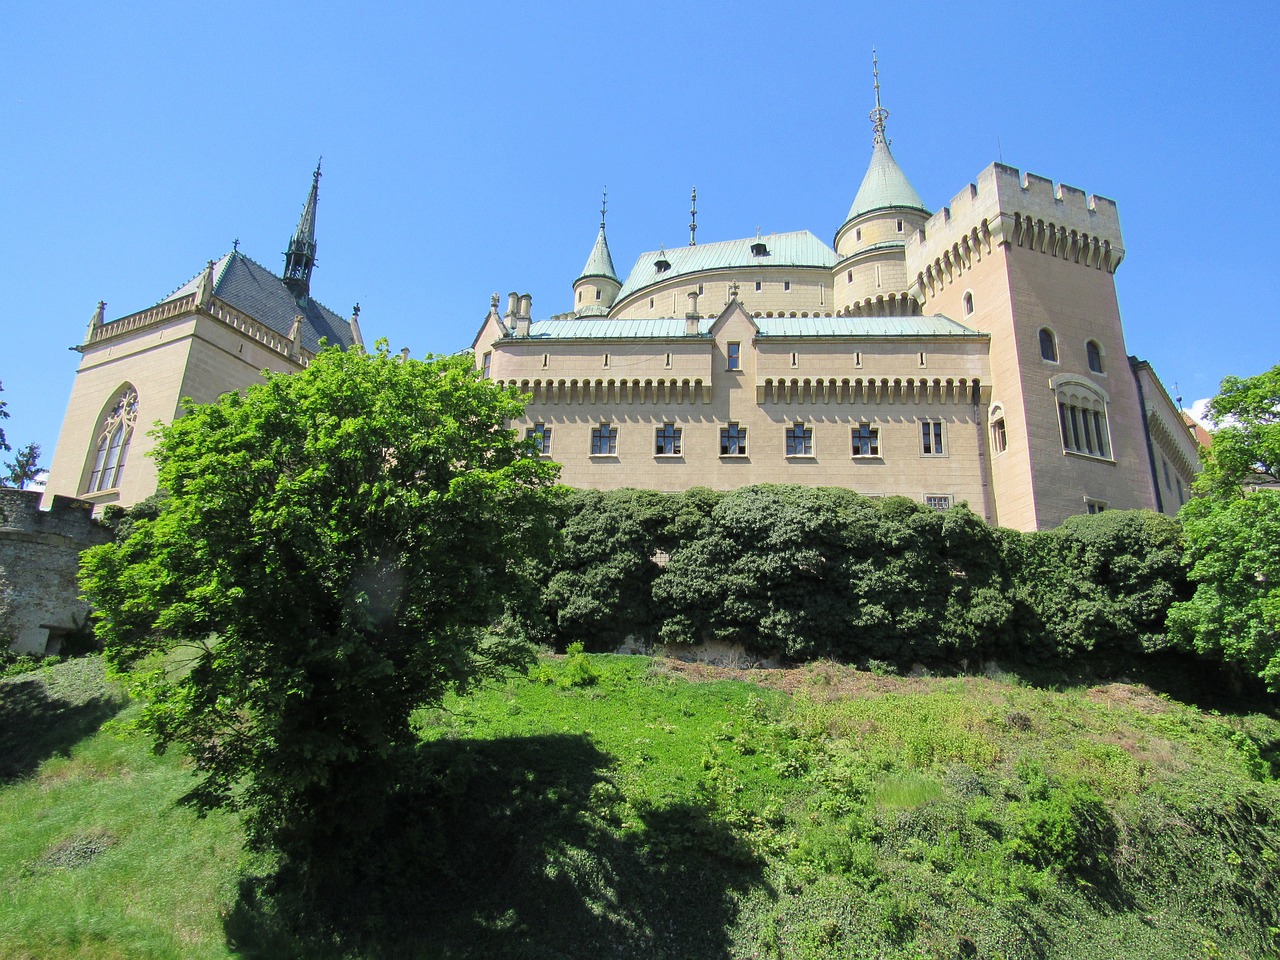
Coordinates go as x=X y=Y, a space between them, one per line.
x=465 y=146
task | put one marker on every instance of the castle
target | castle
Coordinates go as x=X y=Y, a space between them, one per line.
x=973 y=355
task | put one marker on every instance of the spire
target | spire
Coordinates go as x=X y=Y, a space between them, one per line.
x=600 y=263
x=884 y=184
x=693 y=219
x=301 y=255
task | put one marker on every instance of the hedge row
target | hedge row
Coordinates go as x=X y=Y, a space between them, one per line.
x=801 y=572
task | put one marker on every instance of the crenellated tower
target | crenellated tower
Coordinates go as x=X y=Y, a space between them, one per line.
x=870 y=277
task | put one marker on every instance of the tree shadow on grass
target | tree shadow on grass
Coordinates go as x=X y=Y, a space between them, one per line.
x=513 y=848
x=36 y=725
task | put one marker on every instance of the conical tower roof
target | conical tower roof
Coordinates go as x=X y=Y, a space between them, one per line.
x=884 y=185
x=600 y=263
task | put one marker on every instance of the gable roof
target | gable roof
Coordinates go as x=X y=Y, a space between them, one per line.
x=253 y=289
x=799 y=248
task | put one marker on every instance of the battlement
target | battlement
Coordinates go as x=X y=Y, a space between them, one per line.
x=1005 y=206
x=67 y=516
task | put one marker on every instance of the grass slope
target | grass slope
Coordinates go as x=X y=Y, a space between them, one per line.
x=608 y=806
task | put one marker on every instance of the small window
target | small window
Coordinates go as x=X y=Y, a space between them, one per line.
x=938 y=501
x=1094 y=506
x=606 y=360
x=668 y=363
x=540 y=433
x=733 y=441
x=662 y=265
x=931 y=438
x=786 y=285
x=866 y=440
x=899 y=226
x=857 y=359
x=733 y=354
x=651 y=303
x=667 y=441
x=857 y=233
x=546 y=360
x=999 y=436
x=579 y=296
x=851 y=276
x=922 y=358
x=968 y=303
x=604 y=440
x=597 y=293
x=1048 y=345
x=486 y=364
x=758 y=286
x=795 y=359
x=799 y=440
x=759 y=249
x=699 y=289
x=1094 y=353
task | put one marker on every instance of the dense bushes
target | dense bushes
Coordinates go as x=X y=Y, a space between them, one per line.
x=802 y=572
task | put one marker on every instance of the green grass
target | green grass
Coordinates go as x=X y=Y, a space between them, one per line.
x=608 y=806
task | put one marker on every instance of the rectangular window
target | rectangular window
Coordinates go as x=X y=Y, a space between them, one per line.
x=486 y=365
x=922 y=358
x=866 y=440
x=1094 y=506
x=604 y=440
x=733 y=350
x=999 y=436
x=546 y=360
x=758 y=283
x=699 y=289
x=857 y=359
x=606 y=360
x=541 y=434
x=733 y=441
x=931 y=438
x=799 y=441
x=795 y=360
x=667 y=441
x=668 y=363
x=651 y=303
x=938 y=501
x=786 y=285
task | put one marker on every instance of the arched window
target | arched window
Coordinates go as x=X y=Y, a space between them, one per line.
x=113 y=439
x=968 y=302
x=1094 y=353
x=1048 y=345
x=1082 y=417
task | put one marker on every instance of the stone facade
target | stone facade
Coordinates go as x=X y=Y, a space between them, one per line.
x=39 y=561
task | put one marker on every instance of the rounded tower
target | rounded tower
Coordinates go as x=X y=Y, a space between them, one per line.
x=597 y=286
x=870 y=277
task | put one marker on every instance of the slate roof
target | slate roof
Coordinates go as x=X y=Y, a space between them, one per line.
x=254 y=290
x=797 y=249
x=662 y=328
x=884 y=185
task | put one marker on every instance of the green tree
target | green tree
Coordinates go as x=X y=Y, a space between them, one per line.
x=1233 y=533
x=25 y=466
x=333 y=547
x=4 y=415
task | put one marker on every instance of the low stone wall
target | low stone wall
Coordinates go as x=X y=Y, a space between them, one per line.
x=39 y=560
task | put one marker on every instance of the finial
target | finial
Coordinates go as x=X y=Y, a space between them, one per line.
x=693 y=219
x=355 y=311
x=879 y=114
x=604 y=205
x=733 y=291
x=757 y=233
x=493 y=302
x=235 y=245
x=315 y=177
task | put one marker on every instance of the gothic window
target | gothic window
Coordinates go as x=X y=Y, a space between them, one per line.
x=1094 y=353
x=968 y=303
x=114 y=438
x=1082 y=417
x=1048 y=345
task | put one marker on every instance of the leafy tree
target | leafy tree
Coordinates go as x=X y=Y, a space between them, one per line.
x=4 y=415
x=1233 y=533
x=333 y=546
x=25 y=467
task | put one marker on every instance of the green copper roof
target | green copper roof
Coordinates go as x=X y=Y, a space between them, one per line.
x=797 y=249
x=664 y=328
x=600 y=263
x=885 y=185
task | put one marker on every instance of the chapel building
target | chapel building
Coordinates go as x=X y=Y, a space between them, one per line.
x=974 y=354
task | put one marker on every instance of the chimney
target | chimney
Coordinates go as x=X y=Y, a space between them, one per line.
x=354 y=324
x=692 y=317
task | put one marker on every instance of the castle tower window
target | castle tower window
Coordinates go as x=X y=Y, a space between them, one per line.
x=114 y=438
x=1048 y=345
x=606 y=361
x=857 y=234
x=799 y=440
x=866 y=440
x=968 y=302
x=540 y=433
x=1094 y=353
x=899 y=226
x=733 y=441
x=1082 y=417
x=486 y=365
x=999 y=436
x=786 y=285
x=597 y=293
x=546 y=360
x=795 y=359
x=668 y=363
x=667 y=441
x=733 y=355
x=604 y=440
x=758 y=285
x=651 y=303
x=931 y=439
x=850 y=280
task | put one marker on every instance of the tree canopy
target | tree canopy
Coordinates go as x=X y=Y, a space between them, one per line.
x=333 y=547
x=24 y=468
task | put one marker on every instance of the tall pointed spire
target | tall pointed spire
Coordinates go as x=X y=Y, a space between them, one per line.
x=879 y=115
x=693 y=219
x=600 y=263
x=884 y=185
x=301 y=255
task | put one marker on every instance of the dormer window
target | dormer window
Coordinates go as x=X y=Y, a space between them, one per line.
x=662 y=264
x=759 y=249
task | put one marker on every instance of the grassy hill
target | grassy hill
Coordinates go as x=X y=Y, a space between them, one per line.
x=627 y=807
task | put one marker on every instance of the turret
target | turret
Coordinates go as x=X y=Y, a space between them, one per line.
x=300 y=258
x=595 y=289
x=871 y=276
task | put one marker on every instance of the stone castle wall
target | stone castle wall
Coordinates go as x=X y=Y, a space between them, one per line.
x=39 y=560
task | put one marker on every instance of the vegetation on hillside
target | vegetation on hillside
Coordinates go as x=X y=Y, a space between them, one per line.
x=635 y=808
